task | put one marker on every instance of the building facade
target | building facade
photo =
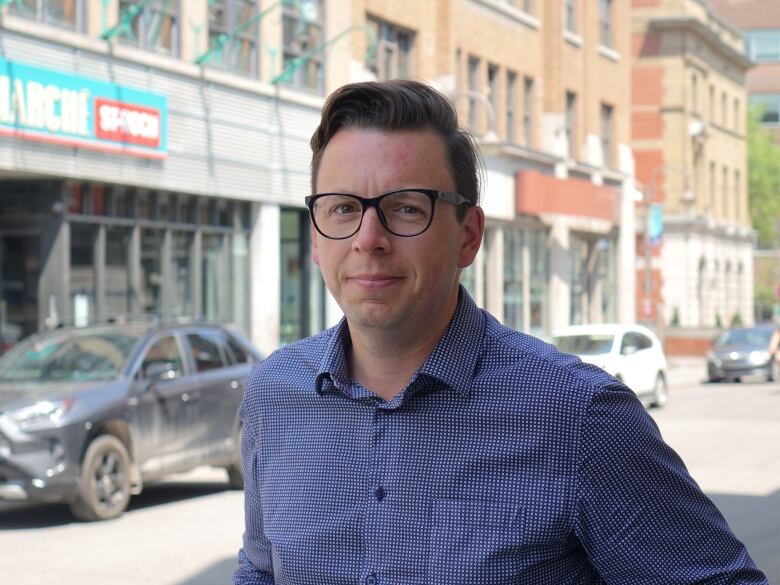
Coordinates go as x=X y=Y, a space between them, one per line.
x=154 y=154
x=544 y=86
x=688 y=133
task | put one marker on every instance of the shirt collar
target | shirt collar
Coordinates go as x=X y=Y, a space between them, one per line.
x=452 y=361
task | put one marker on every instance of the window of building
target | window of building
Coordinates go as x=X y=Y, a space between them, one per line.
x=117 y=282
x=712 y=103
x=724 y=189
x=605 y=23
x=606 y=134
x=571 y=124
x=181 y=258
x=769 y=105
x=570 y=15
x=154 y=28
x=151 y=271
x=694 y=93
x=393 y=58
x=763 y=45
x=214 y=278
x=474 y=86
x=737 y=195
x=712 y=187
x=302 y=31
x=492 y=91
x=511 y=102
x=83 y=280
x=528 y=111
x=468 y=278
x=538 y=255
x=723 y=108
x=578 y=295
x=737 y=121
x=65 y=13
x=528 y=6
x=232 y=19
x=513 y=278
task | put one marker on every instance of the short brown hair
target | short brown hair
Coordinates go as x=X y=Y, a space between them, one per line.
x=397 y=105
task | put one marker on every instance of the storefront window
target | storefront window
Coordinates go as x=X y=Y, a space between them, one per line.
x=82 y=272
x=578 y=250
x=118 y=290
x=606 y=276
x=213 y=280
x=65 y=13
x=513 y=279
x=182 y=273
x=539 y=262
x=302 y=290
x=151 y=271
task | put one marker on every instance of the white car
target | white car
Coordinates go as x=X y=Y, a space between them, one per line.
x=631 y=353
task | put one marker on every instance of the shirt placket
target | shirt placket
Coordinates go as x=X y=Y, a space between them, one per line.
x=377 y=497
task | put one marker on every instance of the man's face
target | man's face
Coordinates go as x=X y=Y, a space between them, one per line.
x=381 y=280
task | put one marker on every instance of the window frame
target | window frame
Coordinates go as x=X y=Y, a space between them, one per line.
x=41 y=12
x=606 y=32
x=389 y=41
x=142 y=40
x=232 y=18
x=292 y=50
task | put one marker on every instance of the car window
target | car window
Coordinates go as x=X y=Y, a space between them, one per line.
x=628 y=340
x=206 y=352
x=164 y=351
x=595 y=344
x=753 y=336
x=643 y=341
x=239 y=354
x=74 y=356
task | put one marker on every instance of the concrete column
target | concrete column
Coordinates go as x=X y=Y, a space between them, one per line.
x=626 y=256
x=54 y=304
x=100 y=272
x=494 y=272
x=560 y=275
x=265 y=277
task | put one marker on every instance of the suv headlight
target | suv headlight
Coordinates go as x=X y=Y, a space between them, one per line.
x=41 y=414
x=759 y=357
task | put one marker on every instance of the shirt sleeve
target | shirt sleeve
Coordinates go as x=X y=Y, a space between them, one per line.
x=254 y=559
x=640 y=516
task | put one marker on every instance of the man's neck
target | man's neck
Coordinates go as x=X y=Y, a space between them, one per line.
x=384 y=361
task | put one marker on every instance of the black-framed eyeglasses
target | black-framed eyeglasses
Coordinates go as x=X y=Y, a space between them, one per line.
x=405 y=213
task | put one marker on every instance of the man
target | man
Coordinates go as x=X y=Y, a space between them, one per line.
x=421 y=442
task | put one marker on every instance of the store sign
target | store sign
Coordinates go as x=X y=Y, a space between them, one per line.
x=48 y=106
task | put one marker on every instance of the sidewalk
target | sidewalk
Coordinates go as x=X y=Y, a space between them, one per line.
x=684 y=370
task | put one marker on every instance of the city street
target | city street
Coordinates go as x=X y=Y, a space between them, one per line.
x=187 y=530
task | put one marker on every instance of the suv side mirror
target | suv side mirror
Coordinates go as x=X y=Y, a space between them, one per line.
x=160 y=371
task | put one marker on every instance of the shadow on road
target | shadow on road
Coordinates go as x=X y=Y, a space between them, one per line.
x=756 y=521
x=219 y=572
x=49 y=515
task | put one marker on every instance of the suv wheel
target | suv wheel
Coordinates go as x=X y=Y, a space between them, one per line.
x=660 y=391
x=104 y=486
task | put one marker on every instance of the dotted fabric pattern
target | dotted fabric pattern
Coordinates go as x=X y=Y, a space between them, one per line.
x=502 y=461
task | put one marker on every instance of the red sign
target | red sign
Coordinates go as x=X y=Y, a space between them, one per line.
x=127 y=123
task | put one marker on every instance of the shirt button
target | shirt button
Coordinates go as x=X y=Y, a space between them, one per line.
x=379 y=493
x=371 y=579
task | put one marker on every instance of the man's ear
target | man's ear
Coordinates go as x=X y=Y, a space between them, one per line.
x=472 y=229
x=315 y=252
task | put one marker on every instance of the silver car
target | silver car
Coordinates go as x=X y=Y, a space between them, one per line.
x=89 y=415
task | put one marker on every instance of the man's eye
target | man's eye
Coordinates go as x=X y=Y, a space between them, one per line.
x=344 y=209
x=406 y=209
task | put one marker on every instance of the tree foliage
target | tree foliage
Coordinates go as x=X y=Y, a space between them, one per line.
x=763 y=181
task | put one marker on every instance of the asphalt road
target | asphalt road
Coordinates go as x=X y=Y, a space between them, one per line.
x=186 y=531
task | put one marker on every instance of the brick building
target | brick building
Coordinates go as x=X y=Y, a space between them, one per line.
x=688 y=135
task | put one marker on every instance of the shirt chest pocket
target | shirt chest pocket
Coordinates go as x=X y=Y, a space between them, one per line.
x=475 y=541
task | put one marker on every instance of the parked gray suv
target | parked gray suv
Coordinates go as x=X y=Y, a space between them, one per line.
x=89 y=415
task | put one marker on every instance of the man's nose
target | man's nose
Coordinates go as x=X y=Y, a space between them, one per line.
x=372 y=235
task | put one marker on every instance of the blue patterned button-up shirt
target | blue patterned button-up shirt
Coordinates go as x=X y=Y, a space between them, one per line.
x=502 y=461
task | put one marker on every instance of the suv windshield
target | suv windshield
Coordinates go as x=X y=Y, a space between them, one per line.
x=67 y=357
x=758 y=336
x=585 y=344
